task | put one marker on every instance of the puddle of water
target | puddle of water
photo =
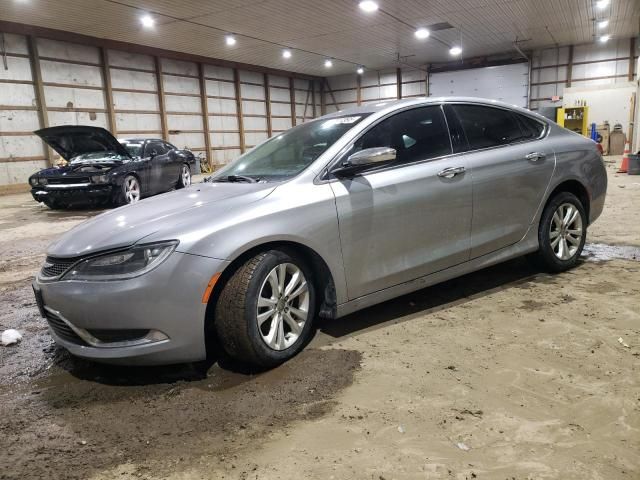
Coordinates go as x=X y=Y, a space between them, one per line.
x=601 y=252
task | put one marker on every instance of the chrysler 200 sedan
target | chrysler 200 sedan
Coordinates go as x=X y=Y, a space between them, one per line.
x=330 y=217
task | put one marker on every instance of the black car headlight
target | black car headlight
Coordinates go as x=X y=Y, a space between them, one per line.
x=123 y=264
x=99 y=179
x=33 y=181
x=42 y=181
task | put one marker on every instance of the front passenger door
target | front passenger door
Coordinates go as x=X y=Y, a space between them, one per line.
x=159 y=166
x=408 y=219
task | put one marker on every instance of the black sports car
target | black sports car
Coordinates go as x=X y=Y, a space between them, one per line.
x=103 y=170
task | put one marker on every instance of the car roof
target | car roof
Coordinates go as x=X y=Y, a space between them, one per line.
x=391 y=105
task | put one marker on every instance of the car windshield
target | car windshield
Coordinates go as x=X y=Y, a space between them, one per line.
x=134 y=149
x=289 y=153
x=108 y=156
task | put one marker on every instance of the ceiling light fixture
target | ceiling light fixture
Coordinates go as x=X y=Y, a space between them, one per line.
x=368 y=6
x=147 y=21
x=603 y=24
x=286 y=54
x=360 y=70
x=602 y=4
x=422 y=33
x=230 y=40
x=328 y=63
x=455 y=51
x=604 y=38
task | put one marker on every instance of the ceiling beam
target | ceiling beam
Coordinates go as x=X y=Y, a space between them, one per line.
x=52 y=34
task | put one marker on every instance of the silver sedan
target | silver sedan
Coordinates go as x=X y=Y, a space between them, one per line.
x=327 y=218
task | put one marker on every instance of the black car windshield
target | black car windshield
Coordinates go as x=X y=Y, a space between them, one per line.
x=285 y=155
x=134 y=149
x=99 y=156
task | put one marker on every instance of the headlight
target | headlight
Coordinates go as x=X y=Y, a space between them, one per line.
x=124 y=264
x=42 y=181
x=99 y=179
x=33 y=181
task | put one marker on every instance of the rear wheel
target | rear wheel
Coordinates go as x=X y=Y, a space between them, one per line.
x=130 y=191
x=562 y=233
x=265 y=312
x=185 y=176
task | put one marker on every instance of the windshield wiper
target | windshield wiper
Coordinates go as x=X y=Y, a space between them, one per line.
x=236 y=178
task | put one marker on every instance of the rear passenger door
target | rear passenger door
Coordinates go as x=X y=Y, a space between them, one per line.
x=511 y=169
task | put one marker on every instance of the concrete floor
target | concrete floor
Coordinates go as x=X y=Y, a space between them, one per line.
x=504 y=373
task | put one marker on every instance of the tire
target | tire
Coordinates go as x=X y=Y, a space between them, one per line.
x=127 y=196
x=185 y=176
x=236 y=313
x=560 y=245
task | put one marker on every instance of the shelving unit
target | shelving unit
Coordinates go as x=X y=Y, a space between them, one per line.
x=575 y=119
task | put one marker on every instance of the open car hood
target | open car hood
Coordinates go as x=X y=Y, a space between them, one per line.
x=71 y=141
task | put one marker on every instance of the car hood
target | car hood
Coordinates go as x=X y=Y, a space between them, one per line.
x=73 y=140
x=183 y=210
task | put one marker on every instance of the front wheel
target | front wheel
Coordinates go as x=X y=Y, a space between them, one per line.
x=130 y=191
x=265 y=311
x=562 y=233
x=185 y=176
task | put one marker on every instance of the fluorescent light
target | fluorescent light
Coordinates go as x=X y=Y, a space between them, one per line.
x=328 y=63
x=604 y=38
x=230 y=40
x=360 y=71
x=286 y=54
x=602 y=4
x=422 y=33
x=368 y=6
x=603 y=23
x=455 y=51
x=147 y=21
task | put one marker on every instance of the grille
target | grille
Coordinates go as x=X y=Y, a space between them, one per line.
x=67 y=180
x=63 y=330
x=54 y=267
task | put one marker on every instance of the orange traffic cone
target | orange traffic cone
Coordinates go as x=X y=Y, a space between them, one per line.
x=624 y=166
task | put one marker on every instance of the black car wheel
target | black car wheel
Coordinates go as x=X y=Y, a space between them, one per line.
x=265 y=311
x=185 y=176
x=562 y=233
x=130 y=191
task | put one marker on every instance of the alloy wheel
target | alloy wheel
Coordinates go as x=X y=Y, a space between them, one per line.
x=283 y=306
x=565 y=233
x=186 y=176
x=131 y=190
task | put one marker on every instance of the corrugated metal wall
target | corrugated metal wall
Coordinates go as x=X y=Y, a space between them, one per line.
x=553 y=69
x=203 y=107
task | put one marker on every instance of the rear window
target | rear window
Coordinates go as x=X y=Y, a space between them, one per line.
x=530 y=128
x=487 y=126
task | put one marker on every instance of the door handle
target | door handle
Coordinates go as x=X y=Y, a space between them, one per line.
x=451 y=172
x=535 y=156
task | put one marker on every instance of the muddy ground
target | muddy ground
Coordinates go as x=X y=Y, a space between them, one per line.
x=507 y=373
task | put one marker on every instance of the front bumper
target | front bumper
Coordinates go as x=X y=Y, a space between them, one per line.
x=65 y=195
x=164 y=304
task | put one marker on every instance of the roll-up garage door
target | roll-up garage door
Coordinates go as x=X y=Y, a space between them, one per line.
x=506 y=83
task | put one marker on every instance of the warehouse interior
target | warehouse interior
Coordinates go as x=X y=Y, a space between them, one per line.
x=507 y=372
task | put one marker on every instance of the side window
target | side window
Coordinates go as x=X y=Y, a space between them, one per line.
x=488 y=126
x=417 y=134
x=169 y=147
x=530 y=128
x=155 y=148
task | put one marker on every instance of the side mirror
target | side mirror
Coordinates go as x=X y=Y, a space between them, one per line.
x=364 y=159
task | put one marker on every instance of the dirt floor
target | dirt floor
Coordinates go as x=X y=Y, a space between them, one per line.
x=507 y=373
